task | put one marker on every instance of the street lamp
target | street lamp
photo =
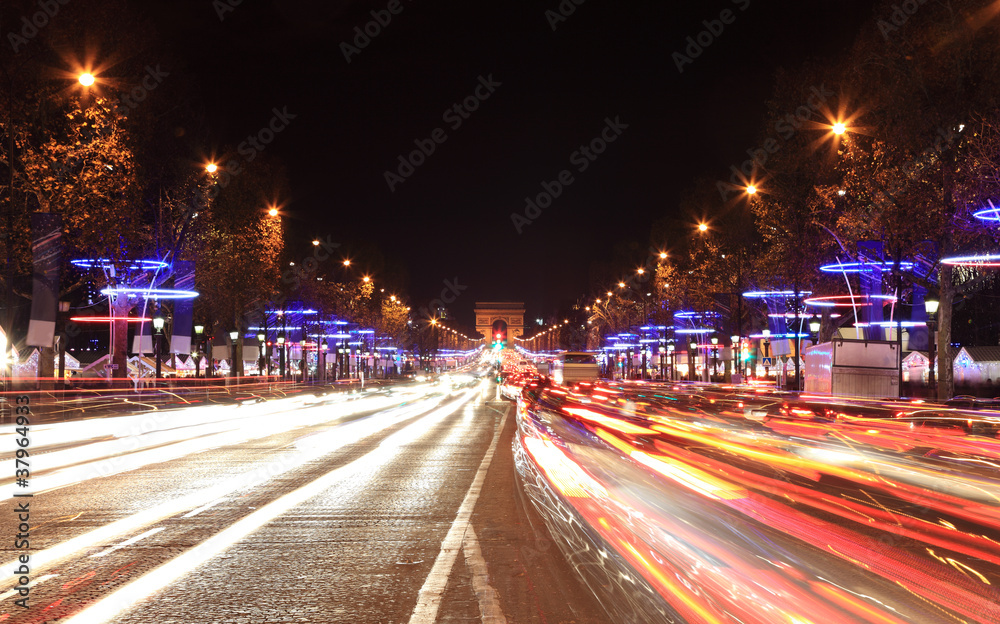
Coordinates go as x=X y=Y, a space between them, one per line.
x=281 y=354
x=715 y=356
x=158 y=322
x=198 y=331
x=63 y=309
x=233 y=337
x=931 y=307
x=692 y=356
x=767 y=352
x=737 y=369
x=262 y=346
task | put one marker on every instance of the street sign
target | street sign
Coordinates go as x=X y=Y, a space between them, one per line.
x=111 y=366
x=767 y=362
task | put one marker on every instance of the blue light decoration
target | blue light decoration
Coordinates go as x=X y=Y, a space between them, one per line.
x=892 y=324
x=766 y=294
x=693 y=315
x=151 y=293
x=697 y=330
x=773 y=336
x=988 y=214
x=982 y=260
x=103 y=263
x=858 y=267
x=833 y=301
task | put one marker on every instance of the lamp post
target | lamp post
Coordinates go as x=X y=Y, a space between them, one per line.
x=198 y=331
x=63 y=309
x=262 y=356
x=715 y=357
x=767 y=352
x=692 y=355
x=931 y=307
x=735 y=353
x=673 y=364
x=233 y=337
x=663 y=370
x=158 y=327
x=281 y=354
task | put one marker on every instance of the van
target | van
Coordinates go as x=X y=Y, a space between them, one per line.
x=574 y=366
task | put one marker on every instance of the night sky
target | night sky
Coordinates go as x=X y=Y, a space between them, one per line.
x=451 y=218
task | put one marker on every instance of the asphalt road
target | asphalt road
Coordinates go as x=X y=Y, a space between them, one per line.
x=381 y=509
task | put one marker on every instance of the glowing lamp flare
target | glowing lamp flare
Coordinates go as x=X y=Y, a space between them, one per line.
x=151 y=293
x=984 y=260
x=86 y=79
x=109 y=319
x=839 y=128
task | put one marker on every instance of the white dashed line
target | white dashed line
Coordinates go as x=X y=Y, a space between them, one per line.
x=429 y=599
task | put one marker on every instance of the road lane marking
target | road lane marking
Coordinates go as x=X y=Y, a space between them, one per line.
x=340 y=436
x=128 y=542
x=107 y=608
x=429 y=598
x=41 y=579
x=489 y=601
x=203 y=508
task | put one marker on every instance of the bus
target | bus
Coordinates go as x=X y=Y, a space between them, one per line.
x=574 y=366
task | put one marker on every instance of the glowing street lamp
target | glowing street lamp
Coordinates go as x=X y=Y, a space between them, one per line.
x=702 y=227
x=273 y=212
x=86 y=79
x=931 y=307
x=211 y=167
x=839 y=128
x=158 y=322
